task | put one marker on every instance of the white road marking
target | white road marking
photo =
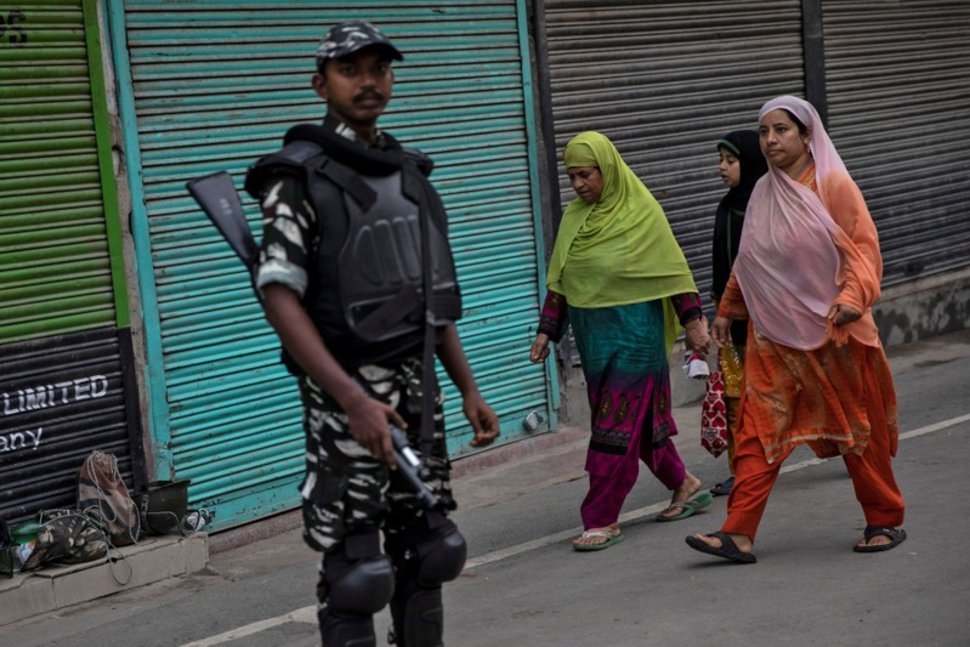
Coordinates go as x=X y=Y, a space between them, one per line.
x=306 y=614
x=936 y=426
x=309 y=614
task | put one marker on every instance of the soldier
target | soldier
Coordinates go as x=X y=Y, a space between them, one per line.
x=355 y=236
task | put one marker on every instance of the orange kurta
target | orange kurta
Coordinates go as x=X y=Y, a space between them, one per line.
x=819 y=397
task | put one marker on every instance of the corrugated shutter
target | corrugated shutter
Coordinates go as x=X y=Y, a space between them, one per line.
x=665 y=81
x=899 y=108
x=55 y=266
x=66 y=378
x=62 y=397
x=215 y=86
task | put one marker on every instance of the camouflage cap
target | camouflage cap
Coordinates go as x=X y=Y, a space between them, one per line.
x=348 y=37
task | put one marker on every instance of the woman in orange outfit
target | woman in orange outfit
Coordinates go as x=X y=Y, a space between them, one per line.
x=806 y=277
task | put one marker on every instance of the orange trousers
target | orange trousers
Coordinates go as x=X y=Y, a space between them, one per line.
x=872 y=477
x=732 y=406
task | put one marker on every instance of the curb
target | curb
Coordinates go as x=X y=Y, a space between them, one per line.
x=491 y=457
x=150 y=560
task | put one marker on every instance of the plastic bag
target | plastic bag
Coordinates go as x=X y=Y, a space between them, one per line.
x=732 y=371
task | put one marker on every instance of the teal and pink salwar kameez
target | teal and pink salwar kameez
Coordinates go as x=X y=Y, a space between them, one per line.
x=625 y=362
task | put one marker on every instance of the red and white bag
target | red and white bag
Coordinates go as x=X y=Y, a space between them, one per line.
x=714 y=416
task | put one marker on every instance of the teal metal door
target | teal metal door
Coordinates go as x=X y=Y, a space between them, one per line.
x=207 y=86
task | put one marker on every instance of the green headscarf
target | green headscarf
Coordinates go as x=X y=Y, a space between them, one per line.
x=619 y=250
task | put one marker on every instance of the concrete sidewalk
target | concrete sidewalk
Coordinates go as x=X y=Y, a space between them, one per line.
x=151 y=560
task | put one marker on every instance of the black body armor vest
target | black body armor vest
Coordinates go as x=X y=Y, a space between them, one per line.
x=365 y=281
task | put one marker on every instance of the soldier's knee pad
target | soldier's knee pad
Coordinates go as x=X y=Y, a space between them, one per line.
x=430 y=552
x=425 y=555
x=365 y=588
x=358 y=579
x=441 y=556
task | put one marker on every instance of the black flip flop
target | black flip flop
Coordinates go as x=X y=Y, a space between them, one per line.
x=724 y=487
x=895 y=536
x=728 y=550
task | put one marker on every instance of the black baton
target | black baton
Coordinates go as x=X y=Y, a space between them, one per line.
x=409 y=466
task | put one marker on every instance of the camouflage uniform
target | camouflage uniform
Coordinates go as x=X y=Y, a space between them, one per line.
x=348 y=494
x=347 y=489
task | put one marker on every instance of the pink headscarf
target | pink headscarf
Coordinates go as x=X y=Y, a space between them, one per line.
x=789 y=264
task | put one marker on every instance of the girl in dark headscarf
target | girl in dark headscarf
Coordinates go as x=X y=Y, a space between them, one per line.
x=741 y=165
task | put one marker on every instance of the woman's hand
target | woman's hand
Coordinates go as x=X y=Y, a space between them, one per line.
x=840 y=315
x=721 y=332
x=540 y=348
x=698 y=340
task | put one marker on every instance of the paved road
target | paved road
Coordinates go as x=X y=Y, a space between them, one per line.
x=526 y=587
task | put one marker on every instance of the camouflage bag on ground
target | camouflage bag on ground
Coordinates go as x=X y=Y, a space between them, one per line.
x=103 y=496
x=66 y=537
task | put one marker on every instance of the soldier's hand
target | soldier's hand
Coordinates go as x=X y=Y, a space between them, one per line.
x=483 y=419
x=368 y=419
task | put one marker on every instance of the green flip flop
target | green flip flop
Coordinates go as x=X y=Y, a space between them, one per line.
x=688 y=508
x=611 y=539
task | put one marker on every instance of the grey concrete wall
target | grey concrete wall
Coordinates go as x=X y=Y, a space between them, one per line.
x=905 y=313
x=924 y=308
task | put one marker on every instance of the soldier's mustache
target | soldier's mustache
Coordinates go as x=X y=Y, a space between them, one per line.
x=364 y=96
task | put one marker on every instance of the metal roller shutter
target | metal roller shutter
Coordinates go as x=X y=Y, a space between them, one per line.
x=898 y=96
x=215 y=85
x=61 y=397
x=66 y=383
x=665 y=81
x=55 y=239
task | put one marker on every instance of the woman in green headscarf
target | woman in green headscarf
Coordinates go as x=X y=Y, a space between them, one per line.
x=619 y=277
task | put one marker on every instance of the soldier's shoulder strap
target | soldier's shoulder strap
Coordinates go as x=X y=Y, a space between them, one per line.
x=289 y=160
x=424 y=163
